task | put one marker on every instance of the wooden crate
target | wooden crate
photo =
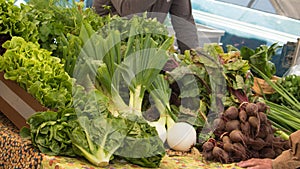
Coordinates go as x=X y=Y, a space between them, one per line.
x=15 y=103
x=261 y=87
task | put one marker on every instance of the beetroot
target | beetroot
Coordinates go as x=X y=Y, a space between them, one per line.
x=208 y=155
x=219 y=124
x=231 y=113
x=220 y=154
x=263 y=131
x=240 y=151
x=253 y=122
x=243 y=116
x=251 y=109
x=267 y=152
x=277 y=151
x=207 y=146
x=263 y=117
x=248 y=135
x=257 y=144
x=237 y=136
x=262 y=107
x=232 y=125
x=246 y=128
x=226 y=139
x=228 y=147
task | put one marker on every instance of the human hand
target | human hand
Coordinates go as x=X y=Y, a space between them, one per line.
x=256 y=163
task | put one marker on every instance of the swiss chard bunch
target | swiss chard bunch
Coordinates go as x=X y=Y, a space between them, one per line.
x=99 y=133
x=261 y=58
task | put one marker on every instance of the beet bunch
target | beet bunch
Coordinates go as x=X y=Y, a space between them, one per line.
x=243 y=133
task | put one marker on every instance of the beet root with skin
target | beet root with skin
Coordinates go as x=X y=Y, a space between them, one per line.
x=207 y=146
x=220 y=154
x=249 y=134
x=243 y=116
x=231 y=113
x=232 y=125
x=262 y=107
x=251 y=109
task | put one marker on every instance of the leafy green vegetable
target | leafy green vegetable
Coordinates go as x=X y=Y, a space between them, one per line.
x=261 y=58
x=161 y=93
x=97 y=139
x=142 y=146
x=15 y=21
x=50 y=131
x=239 y=79
x=291 y=84
x=37 y=71
x=86 y=129
x=129 y=66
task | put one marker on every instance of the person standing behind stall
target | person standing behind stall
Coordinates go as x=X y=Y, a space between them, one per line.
x=180 y=11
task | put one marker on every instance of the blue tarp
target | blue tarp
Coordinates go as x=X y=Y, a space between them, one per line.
x=244 y=14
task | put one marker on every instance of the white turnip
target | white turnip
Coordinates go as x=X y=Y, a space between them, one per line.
x=181 y=136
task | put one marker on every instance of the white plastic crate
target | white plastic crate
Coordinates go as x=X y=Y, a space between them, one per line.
x=205 y=34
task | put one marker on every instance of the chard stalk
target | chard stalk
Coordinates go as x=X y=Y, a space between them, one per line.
x=136 y=99
x=100 y=161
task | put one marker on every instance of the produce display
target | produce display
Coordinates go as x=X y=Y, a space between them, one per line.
x=115 y=88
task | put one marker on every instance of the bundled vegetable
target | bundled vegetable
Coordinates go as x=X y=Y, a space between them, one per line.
x=124 y=71
x=291 y=84
x=284 y=109
x=236 y=70
x=161 y=93
x=243 y=133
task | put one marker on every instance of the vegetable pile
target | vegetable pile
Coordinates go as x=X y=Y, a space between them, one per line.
x=80 y=122
x=243 y=133
x=115 y=88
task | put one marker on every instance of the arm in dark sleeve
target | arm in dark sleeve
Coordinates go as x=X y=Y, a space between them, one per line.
x=184 y=24
x=289 y=158
x=127 y=7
